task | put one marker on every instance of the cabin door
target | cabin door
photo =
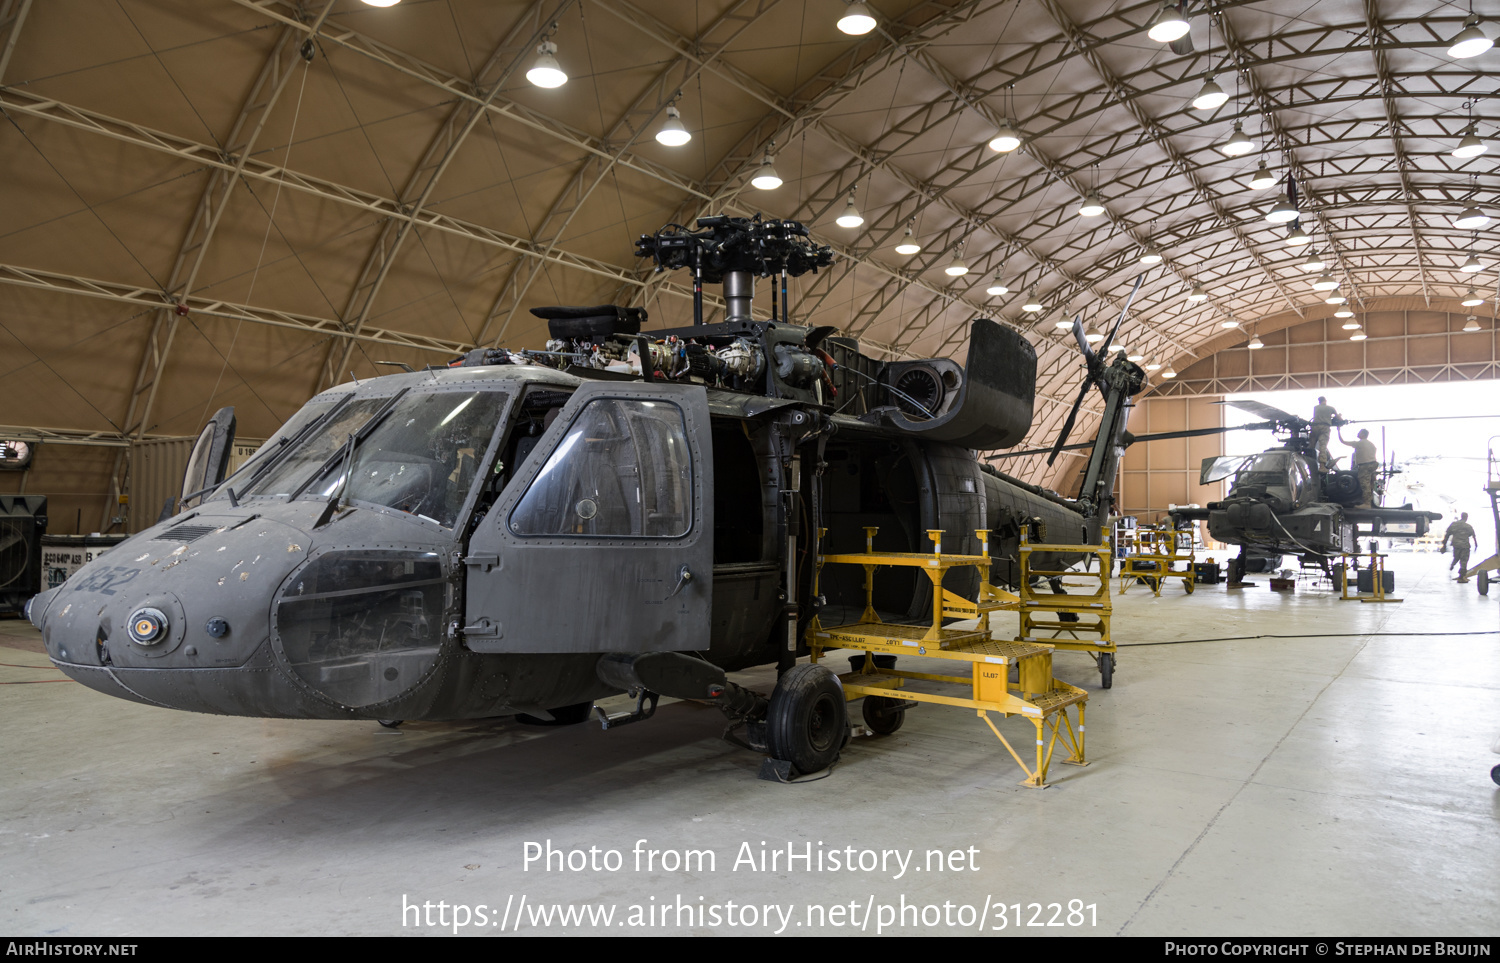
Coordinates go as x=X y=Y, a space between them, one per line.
x=603 y=542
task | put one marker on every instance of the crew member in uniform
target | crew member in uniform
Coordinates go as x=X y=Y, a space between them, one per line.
x=1322 y=425
x=1462 y=533
x=1366 y=460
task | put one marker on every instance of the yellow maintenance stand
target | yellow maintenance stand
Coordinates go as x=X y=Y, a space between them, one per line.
x=1155 y=559
x=1045 y=616
x=1036 y=695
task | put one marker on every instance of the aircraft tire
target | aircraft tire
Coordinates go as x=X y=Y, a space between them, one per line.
x=808 y=721
x=1495 y=774
x=1484 y=583
x=880 y=715
x=561 y=716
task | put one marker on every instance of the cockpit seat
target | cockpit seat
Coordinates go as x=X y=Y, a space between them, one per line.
x=570 y=323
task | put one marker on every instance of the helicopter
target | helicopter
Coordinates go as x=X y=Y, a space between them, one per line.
x=525 y=532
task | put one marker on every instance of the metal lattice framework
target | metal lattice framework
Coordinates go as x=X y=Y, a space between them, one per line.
x=1357 y=100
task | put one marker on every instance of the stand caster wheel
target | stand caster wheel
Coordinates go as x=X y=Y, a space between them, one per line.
x=881 y=714
x=1106 y=669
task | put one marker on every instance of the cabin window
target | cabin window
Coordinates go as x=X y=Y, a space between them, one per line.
x=622 y=470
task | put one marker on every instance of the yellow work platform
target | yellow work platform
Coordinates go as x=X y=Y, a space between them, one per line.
x=1042 y=612
x=1154 y=560
x=1036 y=695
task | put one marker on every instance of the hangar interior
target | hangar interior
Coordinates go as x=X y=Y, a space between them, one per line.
x=250 y=202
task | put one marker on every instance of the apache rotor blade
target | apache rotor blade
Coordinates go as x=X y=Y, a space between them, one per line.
x=1132 y=439
x=1062 y=436
x=1268 y=412
x=1121 y=319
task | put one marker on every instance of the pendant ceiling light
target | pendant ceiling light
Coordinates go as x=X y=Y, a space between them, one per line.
x=1325 y=282
x=1345 y=311
x=766 y=178
x=958 y=267
x=673 y=133
x=857 y=20
x=908 y=243
x=1472 y=324
x=1358 y=334
x=1470 y=42
x=1255 y=343
x=382 y=3
x=1092 y=206
x=1153 y=365
x=997 y=287
x=1238 y=144
x=1229 y=322
x=1006 y=139
x=1284 y=211
x=1472 y=299
x=1135 y=356
x=1168 y=25
x=1197 y=294
x=1471 y=265
x=1263 y=177
x=545 y=70
x=1312 y=263
x=1335 y=297
x=1211 y=96
x=1470 y=145
x=1169 y=372
x=851 y=216
x=1033 y=304
x=1093 y=335
x=1471 y=218
x=1150 y=255
x=1297 y=237
x=1063 y=324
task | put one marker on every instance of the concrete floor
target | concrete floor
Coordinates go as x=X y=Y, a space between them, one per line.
x=1298 y=786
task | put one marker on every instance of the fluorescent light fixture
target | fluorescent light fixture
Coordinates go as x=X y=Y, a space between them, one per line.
x=1263 y=177
x=1471 y=265
x=1471 y=145
x=1472 y=324
x=766 y=178
x=1150 y=255
x=908 y=243
x=1471 y=218
x=1325 y=282
x=1282 y=212
x=1472 y=299
x=1238 y=143
x=1470 y=42
x=1092 y=206
x=1169 y=25
x=545 y=70
x=1211 y=96
x=672 y=133
x=857 y=20
x=1006 y=139
x=1297 y=237
x=997 y=287
x=1313 y=262
x=851 y=216
x=1197 y=294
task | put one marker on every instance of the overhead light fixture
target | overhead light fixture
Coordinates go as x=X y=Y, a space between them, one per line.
x=1263 y=177
x=1325 y=282
x=545 y=70
x=1238 y=143
x=997 y=287
x=1197 y=294
x=1470 y=42
x=1284 y=211
x=1335 y=297
x=1471 y=265
x=958 y=267
x=1150 y=255
x=1211 y=96
x=1471 y=218
x=1229 y=322
x=673 y=133
x=1006 y=139
x=766 y=178
x=1358 y=334
x=1313 y=262
x=1092 y=206
x=857 y=20
x=1472 y=299
x=1033 y=304
x=1345 y=311
x=851 y=216
x=1093 y=335
x=1471 y=145
x=1153 y=365
x=382 y=3
x=908 y=243
x=1297 y=237
x=1063 y=324
x=1255 y=343
x=1169 y=372
x=1169 y=25
x=1472 y=324
x=1135 y=357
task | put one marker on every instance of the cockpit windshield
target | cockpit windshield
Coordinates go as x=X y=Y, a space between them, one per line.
x=313 y=450
x=1278 y=474
x=421 y=457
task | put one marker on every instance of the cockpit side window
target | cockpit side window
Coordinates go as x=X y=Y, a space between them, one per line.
x=622 y=470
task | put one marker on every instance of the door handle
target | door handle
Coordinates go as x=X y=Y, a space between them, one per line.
x=684 y=576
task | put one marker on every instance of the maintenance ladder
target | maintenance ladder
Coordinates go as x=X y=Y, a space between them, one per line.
x=1043 y=613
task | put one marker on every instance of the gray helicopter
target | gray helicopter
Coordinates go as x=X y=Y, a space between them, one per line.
x=524 y=532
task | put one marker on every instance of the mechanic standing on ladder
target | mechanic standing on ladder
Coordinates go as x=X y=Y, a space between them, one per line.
x=1366 y=461
x=1462 y=533
x=1322 y=425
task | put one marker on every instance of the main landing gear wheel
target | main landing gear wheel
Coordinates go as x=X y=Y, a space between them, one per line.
x=1484 y=583
x=561 y=716
x=808 y=721
x=1106 y=669
x=884 y=716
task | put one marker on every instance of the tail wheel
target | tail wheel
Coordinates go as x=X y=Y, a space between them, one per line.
x=883 y=715
x=808 y=721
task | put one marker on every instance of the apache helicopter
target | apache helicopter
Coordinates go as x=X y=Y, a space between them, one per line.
x=524 y=532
